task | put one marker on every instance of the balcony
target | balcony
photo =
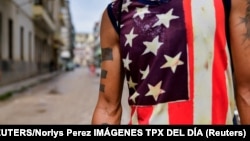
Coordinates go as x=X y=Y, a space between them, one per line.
x=57 y=41
x=42 y=18
x=63 y=3
x=61 y=19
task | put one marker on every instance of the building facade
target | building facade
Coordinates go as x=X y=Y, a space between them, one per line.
x=83 y=52
x=30 y=38
x=68 y=35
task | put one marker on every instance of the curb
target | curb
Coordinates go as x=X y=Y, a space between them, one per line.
x=8 y=90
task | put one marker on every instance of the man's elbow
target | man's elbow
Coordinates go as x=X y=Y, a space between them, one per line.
x=243 y=95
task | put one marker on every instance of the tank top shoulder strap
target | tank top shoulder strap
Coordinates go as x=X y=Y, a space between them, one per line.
x=114 y=13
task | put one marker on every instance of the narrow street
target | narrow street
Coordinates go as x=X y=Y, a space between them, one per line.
x=68 y=98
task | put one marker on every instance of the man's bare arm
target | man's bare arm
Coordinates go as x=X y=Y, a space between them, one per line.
x=240 y=46
x=109 y=109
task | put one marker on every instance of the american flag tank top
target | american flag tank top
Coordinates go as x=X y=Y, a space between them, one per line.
x=176 y=60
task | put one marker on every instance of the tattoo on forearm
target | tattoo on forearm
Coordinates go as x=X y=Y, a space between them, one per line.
x=246 y=21
x=102 y=87
x=107 y=54
x=104 y=74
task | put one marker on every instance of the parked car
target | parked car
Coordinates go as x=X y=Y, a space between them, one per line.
x=70 y=66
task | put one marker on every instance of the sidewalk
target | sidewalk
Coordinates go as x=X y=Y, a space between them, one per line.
x=18 y=86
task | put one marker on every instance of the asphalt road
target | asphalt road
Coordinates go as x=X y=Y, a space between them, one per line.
x=69 y=98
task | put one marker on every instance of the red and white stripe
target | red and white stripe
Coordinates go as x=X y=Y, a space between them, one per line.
x=208 y=58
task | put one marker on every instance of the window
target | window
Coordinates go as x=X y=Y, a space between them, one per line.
x=1 y=34
x=30 y=46
x=21 y=43
x=38 y=2
x=10 y=39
